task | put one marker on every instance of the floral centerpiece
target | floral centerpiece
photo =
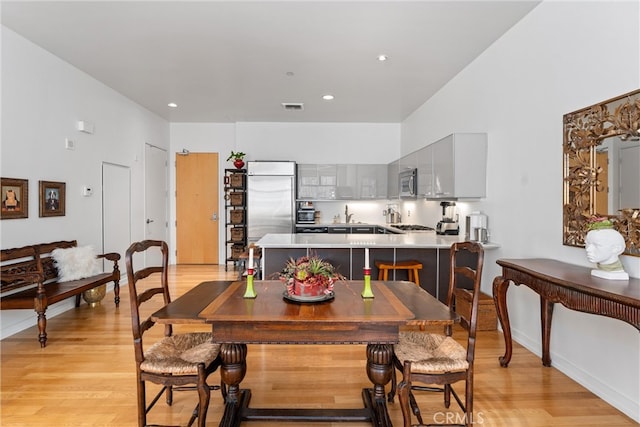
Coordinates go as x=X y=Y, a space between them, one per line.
x=309 y=276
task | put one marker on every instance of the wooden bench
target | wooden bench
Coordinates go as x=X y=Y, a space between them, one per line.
x=29 y=279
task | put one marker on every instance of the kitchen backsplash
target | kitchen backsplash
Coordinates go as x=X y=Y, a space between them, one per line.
x=412 y=212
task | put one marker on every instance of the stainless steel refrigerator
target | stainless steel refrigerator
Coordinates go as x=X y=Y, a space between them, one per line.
x=270 y=198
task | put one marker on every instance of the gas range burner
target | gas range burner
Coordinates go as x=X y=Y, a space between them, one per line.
x=412 y=227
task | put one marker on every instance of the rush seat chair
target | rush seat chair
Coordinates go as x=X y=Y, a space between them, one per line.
x=175 y=361
x=437 y=361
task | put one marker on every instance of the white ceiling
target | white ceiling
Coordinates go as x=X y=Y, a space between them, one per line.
x=228 y=61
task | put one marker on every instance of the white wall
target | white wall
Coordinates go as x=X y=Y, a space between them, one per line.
x=299 y=142
x=561 y=57
x=43 y=97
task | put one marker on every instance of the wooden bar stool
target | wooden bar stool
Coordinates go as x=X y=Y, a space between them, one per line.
x=411 y=266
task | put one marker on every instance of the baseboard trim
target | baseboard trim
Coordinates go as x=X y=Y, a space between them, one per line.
x=619 y=401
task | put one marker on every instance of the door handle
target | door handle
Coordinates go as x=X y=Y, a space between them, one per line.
x=149 y=221
x=214 y=216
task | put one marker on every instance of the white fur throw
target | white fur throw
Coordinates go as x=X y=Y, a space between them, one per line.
x=76 y=263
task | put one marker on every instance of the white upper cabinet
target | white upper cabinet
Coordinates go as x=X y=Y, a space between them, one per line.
x=454 y=167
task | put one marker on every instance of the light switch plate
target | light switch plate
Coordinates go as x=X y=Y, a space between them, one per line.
x=69 y=144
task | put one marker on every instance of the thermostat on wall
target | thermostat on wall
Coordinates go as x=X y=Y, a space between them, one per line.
x=86 y=127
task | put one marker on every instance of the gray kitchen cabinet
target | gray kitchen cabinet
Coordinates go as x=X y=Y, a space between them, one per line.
x=371 y=181
x=393 y=183
x=363 y=229
x=346 y=186
x=342 y=181
x=301 y=229
x=340 y=229
x=459 y=167
x=425 y=171
x=410 y=161
x=316 y=182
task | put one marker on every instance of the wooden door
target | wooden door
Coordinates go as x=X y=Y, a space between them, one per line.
x=197 y=208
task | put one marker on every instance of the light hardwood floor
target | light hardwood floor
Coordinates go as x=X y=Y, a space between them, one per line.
x=85 y=377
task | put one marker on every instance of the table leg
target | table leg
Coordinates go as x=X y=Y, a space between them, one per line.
x=500 y=286
x=232 y=372
x=379 y=371
x=546 y=314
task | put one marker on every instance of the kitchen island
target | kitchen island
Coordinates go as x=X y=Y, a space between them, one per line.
x=346 y=253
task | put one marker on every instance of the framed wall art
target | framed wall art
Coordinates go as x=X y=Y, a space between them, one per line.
x=15 y=198
x=52 y=198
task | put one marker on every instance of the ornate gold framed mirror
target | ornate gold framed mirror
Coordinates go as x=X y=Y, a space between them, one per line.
x=601 y=155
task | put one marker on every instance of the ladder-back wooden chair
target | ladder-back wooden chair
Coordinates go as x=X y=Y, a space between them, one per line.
x=439 y=360
x=176 y=360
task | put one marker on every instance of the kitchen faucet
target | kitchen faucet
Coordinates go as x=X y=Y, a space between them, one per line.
x=347 y=215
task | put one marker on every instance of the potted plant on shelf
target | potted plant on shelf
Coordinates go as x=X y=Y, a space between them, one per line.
x=238 y=157
x=309 y=276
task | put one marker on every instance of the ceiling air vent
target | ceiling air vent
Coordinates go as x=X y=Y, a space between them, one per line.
x=293 y=106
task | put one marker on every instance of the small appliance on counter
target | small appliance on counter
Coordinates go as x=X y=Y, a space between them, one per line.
x=476 y=227
x=392 y=215
x=449 y=222
x=306 y=213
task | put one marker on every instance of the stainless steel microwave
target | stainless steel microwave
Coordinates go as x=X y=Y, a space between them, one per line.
x=306 y=216
x=408 y=184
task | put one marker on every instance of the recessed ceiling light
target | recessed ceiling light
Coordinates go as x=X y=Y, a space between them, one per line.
x=382 y=58
x=172 y=105
x=327 y=97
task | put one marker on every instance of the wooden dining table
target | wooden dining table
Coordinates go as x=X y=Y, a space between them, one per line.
x=270 y=318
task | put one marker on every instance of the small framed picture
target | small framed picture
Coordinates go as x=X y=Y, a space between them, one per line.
x=52 y=198
x=15 y=198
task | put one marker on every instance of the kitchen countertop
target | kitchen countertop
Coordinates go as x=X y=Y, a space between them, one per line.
x=409 y=239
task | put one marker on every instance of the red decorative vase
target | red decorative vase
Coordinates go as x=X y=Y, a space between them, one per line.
x=308 y=289
x=238 y=163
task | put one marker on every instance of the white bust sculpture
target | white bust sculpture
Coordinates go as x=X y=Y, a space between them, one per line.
x=603 y=247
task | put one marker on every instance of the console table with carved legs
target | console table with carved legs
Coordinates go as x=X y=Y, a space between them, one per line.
x=568 y=284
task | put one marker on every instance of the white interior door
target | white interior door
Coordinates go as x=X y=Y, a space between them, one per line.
x=116 y=208
x=155 y=197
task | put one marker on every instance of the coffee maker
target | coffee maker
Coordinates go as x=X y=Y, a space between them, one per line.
x=392 y=214
x=449 y=222
x=476 y=227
